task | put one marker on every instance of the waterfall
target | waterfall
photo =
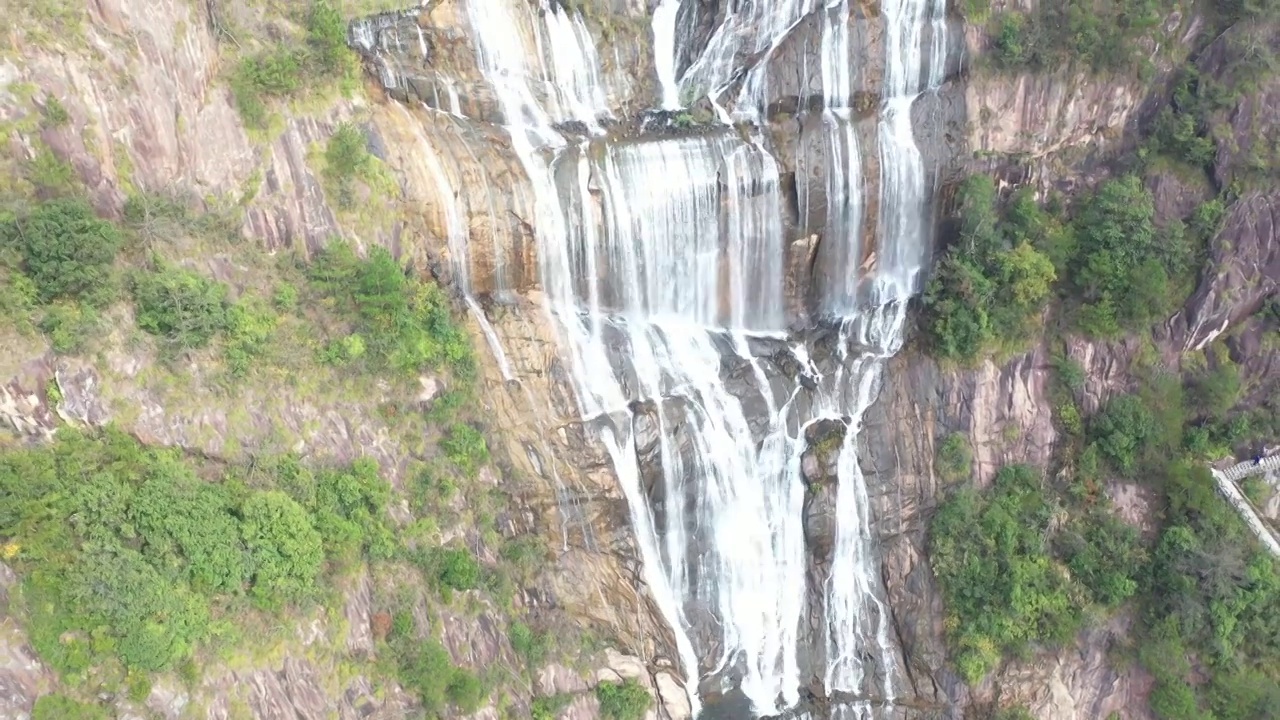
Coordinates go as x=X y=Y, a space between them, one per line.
x=661 y=264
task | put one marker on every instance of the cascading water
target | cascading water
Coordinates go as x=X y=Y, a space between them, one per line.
x=662 y=263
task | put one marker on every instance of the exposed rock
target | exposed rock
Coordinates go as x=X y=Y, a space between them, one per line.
x=1176 y=194
x=23 y=677
x=357 y=613
x=1077 y=683
x=1244 y=272
x=1247 y=131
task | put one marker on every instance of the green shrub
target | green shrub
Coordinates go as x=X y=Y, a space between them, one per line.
x=285 y=551
x=188 y=524
x=155 y=623
x=465 y=447
x=349 y=507
x=549 y=708
x=528 y=644
x=66 y=251
x=1122 y=431
x=61 y=707
x=250 y=326
x=465 y=691
x=1105 y=555
x=285 y=298
x=70 y=326
x=285 y=70
x=184 y=309
x=955 y=458
x=458 y=569
x=55 y=113
x=1105 y=37
x=987 y=293
x=405 y=325
x=999 y=584
x=1123 y=272
x=51 y=175
x=1009 y=38
x=1216 y=391
x=622 y=701
x=274 y=74
x=424 y=667
x=123 y=550
x=346 y=157
x=327 y=36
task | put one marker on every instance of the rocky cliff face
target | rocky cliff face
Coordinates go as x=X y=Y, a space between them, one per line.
x=143 y=84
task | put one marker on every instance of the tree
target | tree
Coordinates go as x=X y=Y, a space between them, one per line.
x=286 y=552
x=181 y=307
x=67 y=250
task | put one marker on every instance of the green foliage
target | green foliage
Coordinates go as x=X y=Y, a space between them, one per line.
x=1103 y=554
x=550 y=707
x=285 y=298
x=622 y=701
x=1123 y=270
x=250 y=327
x=405 y=325
x=465 y=448
x=955 y=458
x=1122 y=431
x=989 y=290
x=457 y=569
x=69 y=326
x=350 y=511
x=1000 y=585
x=287 y=70
x=1102 y=37
x=61 y=707
x=345 y=156
x=1216 y=391
x=528 y=644
x=55 y=113
x=327 y=36
x=423 y=666
x=66 y=251
x=1009 y=39
x=285 y=550
x=184 y=309
x=51 y=175
x=125 y=552
x=260 y=78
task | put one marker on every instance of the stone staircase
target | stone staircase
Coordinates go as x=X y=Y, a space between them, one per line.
x=1240 y=471
x=1227 y=480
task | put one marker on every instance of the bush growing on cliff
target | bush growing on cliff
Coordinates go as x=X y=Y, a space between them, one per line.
x=990 y=288
x=622 y=701
x=999 y=583
x=66 y=251
x=1123 y=270
x=345 y=157
x=127 y=555
x=287 y=70
x=406 y=324
x=61 y=707
x=182 y=308
x=1102 y=37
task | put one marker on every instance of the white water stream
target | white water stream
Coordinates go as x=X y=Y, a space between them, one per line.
x=662 y=262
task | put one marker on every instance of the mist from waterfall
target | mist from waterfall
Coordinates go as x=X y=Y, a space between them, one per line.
x=662 y=262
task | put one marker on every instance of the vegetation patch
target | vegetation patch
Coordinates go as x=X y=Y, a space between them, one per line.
x=988 y=291
x=626 y=700
x=290 y=68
